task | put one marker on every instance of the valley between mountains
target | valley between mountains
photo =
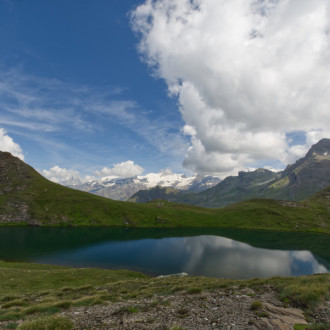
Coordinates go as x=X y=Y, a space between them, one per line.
x=296 y=182
x=28 y=198
x=36 y=296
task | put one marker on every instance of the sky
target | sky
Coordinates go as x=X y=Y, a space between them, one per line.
x=123 y=87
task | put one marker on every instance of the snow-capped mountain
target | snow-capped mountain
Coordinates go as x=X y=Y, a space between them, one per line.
x=123 y=188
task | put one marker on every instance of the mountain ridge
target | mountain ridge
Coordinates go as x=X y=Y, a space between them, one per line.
x=118 y=188
x=296 y=182
x=27 y=198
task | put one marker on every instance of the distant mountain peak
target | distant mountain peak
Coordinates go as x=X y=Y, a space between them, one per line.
x=298 y=181
x=123 y=188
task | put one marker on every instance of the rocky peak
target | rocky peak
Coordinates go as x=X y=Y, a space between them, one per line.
x=322 y=148
x=318 y=152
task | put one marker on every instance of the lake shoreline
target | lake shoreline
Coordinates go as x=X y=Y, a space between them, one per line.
x=214 y=252
x=126 y=300
x=247 y=228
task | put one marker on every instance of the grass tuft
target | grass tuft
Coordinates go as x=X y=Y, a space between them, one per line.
x=183 y=312
x=16 y=302
x=255 y=306
x=132 y=309
x=64 y=304
x=177 y=327
x=317 y=326
x=194 y=290
x=10 y=316
x=48 y=323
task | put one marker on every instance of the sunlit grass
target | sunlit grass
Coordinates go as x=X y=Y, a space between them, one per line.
x=49 y=323
x=45 y=291
x=55 y=205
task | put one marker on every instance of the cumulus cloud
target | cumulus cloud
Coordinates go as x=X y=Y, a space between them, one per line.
x=8 y=144
x=71 y=177
x=246 y=73
x=125 y=170
x=62 y=175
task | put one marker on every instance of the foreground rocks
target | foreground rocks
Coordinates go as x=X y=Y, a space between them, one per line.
x=228 y=309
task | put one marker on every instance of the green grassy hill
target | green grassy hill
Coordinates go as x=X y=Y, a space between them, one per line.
x=28 y=198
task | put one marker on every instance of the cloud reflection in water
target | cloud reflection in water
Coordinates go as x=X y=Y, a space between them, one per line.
x=199 y=255
x=223 y=257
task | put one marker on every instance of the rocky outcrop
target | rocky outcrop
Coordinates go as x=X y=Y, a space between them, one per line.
x=15 y=177
x=280 y=318
x=218 y=309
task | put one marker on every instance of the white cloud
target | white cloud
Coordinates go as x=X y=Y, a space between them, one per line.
x=314 y=136
x=73 y=177
x=125 y=170
x=62 y=175
x=8 y=144
x=232 y=256
x=247 y=73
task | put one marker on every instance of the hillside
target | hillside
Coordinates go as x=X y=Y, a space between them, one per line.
x=28 y=198
x=297 y=182
x=231 y=190
x=158 y=192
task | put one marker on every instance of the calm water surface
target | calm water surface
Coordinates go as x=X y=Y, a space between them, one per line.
x=208 y=252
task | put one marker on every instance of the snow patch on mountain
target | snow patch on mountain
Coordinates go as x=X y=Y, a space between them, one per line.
x=123 y=188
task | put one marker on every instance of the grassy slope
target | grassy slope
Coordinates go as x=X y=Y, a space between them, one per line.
x=60 y=205
x=31 y=290
x=52 y=204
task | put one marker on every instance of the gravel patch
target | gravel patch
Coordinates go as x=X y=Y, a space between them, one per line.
x=227 y=309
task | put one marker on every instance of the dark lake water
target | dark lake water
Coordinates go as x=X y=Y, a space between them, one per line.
x=210 y=252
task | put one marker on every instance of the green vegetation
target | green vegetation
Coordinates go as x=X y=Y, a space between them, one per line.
x=49 y=323
x=256 y=308
x=52 y=204
x=256 y=305
x=29 y=198
x=319 y=326
x=194 y=290
x=25 y=278
x=280 y=183
x=37 y=293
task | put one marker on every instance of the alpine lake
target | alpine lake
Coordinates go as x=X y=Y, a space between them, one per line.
x=214 y=252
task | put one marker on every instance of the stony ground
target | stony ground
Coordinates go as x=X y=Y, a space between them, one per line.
x=226 y=309
x=170 y=302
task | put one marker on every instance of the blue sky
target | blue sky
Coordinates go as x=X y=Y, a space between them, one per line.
x=194 y=86
x=72 y=57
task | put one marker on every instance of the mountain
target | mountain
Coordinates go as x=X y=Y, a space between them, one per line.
x=27 y=198
x=123 y=188
x=231 y=189
x=307 y=176
x=298 y=181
